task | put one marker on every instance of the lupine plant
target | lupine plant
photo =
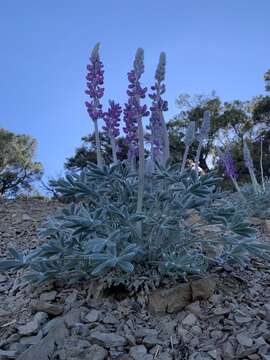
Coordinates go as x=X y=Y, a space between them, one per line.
x=134 y=113
x=188 y=140
x=202 y=137
x=249 y=164
x=159 y=139
x=111 y=127
x=99 y=233
x=229 y=167
x=95 y=90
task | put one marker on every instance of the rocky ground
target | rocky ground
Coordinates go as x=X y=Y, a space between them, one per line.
x=224 y=316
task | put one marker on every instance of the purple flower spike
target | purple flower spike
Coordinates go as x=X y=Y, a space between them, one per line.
x=112 y=119
x=228 y=163
x=95 y=90
x=133 y=109
x=95 y=80
x=159 y=136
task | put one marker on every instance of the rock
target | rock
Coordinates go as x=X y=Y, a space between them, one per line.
x=150 y=342
x=170 y=300
x=109 y=319
x=189 y=320
x=31 y=340
x=76 y=348
x=267 y=311
x=242 y=319
x=107 y=339
x=80 y=329
x=26 y=217
x=73 y=317
x=137 y=352
x=92 y=316
x=221 y=310
x=3 y=278
x=244 y=340
x=7 y=354
x=164 y=356
x=33 y=326
x=267 y=226
x=51 y=309
x=96 y=352
x=143 y=332
x=213 y=354
x=204 y=288
x=255 y=221
x=46 y=347
x=48 y=296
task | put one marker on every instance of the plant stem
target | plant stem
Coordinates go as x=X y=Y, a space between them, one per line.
x=141 y=172
x=197 y=159
x=166 y=153
x=113 y=145
x=184 y=160
x=98 y=147
x=261 y=164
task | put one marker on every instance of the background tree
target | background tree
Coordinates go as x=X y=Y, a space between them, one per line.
x=18 y=170
x=86 y=153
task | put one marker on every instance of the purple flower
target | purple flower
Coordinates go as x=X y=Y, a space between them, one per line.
x=95 y=80
x=157 y=108
x=228 y=163
x=112 y=119
x=133 y=109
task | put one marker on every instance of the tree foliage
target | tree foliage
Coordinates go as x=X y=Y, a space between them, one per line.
x=18 y=170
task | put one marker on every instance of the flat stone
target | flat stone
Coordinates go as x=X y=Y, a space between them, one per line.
x=96 y=352
x=109 y=319
x=26 y=217
x=137 y=352
x=44 y=349
x=143 y=332
x=189 y=320
x=107 y=339
x=204 y=288
x=244 y=340
x=48 y=296
x=170 y=300
x=51 y=309
x=3 y=278
x=33 y=326
x=31 y=340
x=92 y=316
x=7 y=354
x=150 y=342
x=73 y=317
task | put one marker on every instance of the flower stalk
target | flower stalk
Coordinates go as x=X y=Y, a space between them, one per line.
x=95 y=90
x=203 y=136
x=111 y=127
x=188 y=140
x=159 y=134
x=250 y=166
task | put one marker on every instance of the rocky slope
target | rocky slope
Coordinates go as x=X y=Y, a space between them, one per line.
x=226 y=316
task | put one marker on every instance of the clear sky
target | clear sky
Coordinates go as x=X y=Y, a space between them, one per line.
x=45 y=45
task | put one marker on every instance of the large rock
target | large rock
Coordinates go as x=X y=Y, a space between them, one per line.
x=44 y=349
x=51 y=309
x=97 y=352
x=204 y=288
x=137 y=352
x=7 y=354
x=33 y=326
x=107 y=339
x=170 y=300
x=177 y=298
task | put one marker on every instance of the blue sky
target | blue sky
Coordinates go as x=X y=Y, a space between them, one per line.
x=45 y=45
